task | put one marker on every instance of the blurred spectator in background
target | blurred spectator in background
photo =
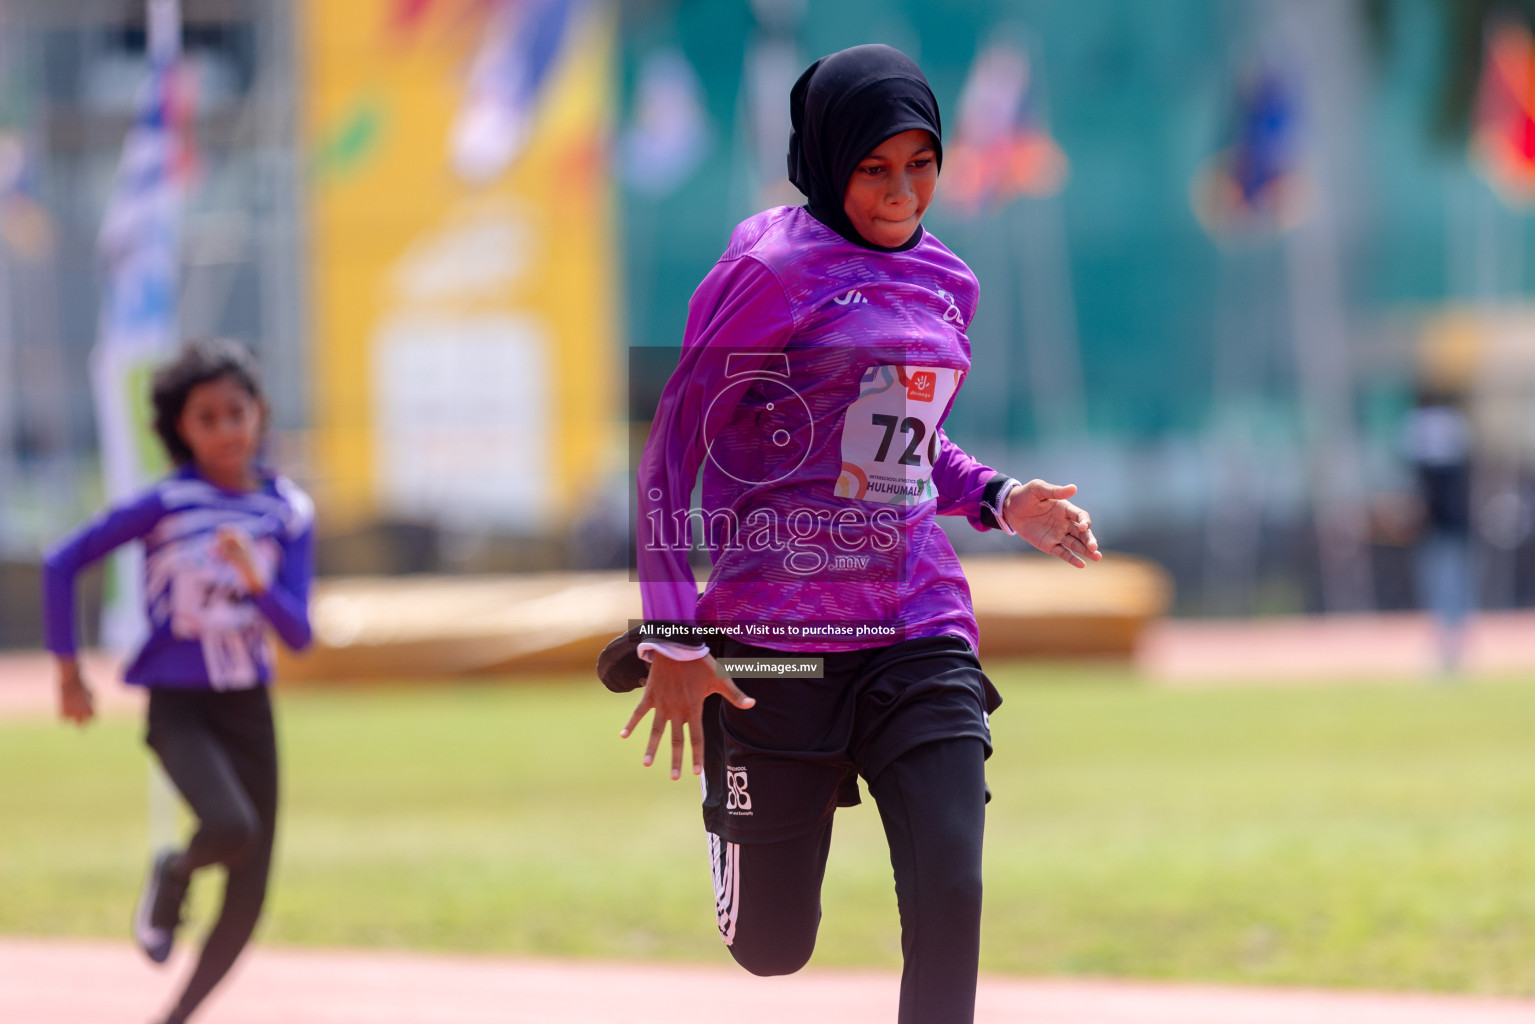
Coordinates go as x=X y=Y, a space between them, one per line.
x=1438 y=444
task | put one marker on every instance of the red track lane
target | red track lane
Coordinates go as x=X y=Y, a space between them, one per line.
x=1302 y=649
x=75 y=982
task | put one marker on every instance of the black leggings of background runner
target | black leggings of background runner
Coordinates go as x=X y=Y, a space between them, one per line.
x=220 y=751
x=932 y=800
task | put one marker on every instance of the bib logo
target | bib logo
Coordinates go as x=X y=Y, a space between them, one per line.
x=737 y=799
x=920 y=387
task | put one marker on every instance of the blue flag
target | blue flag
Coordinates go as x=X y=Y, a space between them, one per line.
x=139 y=248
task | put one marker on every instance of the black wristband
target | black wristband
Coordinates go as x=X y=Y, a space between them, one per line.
x=992 y=496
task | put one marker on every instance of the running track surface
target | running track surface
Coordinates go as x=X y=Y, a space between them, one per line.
x=72 y=982
x=1397 y=646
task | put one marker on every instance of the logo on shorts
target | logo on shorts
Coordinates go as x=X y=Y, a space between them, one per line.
x=737 y=799
x=854 y=297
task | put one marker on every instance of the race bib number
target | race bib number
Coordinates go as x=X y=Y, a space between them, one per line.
x=206 y=594
x=890 y=433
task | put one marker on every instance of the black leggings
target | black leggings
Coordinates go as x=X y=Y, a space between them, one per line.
x=932 y=800
x=220 y=751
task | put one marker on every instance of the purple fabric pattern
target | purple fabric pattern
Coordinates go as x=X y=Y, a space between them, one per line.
x=811 y=391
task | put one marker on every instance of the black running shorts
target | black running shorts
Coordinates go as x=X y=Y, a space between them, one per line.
x=780 y=769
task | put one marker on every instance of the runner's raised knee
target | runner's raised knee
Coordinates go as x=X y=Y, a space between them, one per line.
x=773 y=954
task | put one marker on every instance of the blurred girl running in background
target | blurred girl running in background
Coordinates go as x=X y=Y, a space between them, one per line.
x=228 y=554
x=821 y=356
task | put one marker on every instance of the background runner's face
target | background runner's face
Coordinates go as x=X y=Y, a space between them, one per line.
x=891 y=188
x=221 y=423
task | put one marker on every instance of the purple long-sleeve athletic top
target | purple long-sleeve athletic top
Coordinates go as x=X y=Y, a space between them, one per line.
x=206 y=630
x=812 y=387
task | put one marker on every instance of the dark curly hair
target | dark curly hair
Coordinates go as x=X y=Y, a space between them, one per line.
x=198 y=362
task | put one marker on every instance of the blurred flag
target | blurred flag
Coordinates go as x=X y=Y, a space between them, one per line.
x=770 y=66
x=140 y=252
x=24 y=224
x=669 y=132
x=406 y=15
x=349 y=145
x=1255 y=184
x=1004 y=149
x=1503 y=138
x=521 y=46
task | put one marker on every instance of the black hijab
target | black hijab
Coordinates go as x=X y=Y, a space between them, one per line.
x=841 y=109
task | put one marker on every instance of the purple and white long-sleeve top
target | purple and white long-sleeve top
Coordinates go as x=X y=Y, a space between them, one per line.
x=206 y=630
x=811 y=389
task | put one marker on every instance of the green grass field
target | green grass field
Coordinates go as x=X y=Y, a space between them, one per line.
x=1379 y=836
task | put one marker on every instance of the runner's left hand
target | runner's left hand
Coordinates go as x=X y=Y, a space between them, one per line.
x=76 y=701
x=1040 y=514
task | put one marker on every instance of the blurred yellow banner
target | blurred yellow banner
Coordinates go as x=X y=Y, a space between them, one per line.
x=465 y=369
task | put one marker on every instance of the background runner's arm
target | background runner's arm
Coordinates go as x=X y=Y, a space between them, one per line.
x=739 y=312
x=966 y=487
x=108 y=531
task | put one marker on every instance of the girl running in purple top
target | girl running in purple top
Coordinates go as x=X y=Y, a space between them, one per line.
x=822 y=354
x=229 y=553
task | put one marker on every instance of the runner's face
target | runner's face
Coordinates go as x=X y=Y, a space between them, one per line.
x=221 y=422
x=891 y=188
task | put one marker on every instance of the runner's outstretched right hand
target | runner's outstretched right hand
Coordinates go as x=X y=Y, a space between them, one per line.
x=1040 y=514
x=675 y=691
